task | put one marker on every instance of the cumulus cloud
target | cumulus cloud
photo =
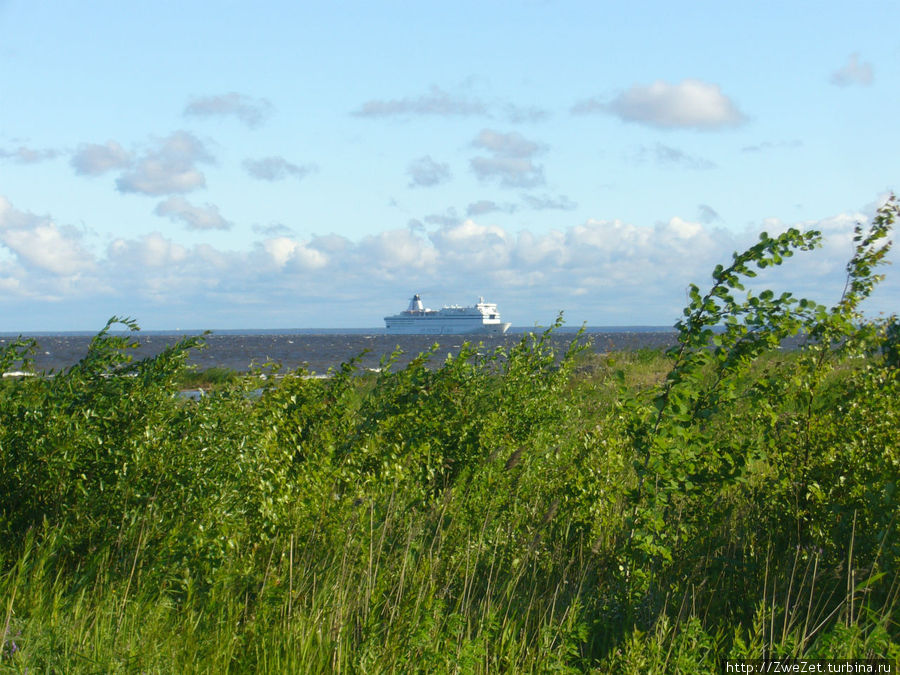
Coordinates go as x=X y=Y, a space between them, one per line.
x=690 y=104
x=250 y=111
x=425 y=172
x=470 y=245
x=168 y=168
x=180 y=210
x=510 y=162
x=436 y=102
x=41 y=246
x=299 y=256
x=275 y=168
x=853 y=72
x=92 y=159
x=154 y=271
x=149 y=251
x=394 y=253
x=25 y=155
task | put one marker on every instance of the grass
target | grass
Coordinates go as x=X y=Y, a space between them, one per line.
x=208 y=379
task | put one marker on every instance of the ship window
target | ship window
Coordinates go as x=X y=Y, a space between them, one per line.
x=493 y=316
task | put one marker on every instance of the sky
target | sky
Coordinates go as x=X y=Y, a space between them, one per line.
x=200 y=165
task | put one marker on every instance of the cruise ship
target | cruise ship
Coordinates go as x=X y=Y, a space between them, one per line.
x=482 y=318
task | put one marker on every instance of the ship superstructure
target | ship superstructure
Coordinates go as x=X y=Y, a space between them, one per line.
x=482 y=317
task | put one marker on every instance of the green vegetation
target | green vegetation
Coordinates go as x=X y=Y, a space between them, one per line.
x=207 y=379
x=517 y=510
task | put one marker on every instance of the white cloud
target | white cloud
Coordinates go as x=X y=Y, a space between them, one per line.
x=540 y=252
x=179 y=209
x=510 y=172
x=280 y=249
x=298 y=256
x=274 y=168
x=471 y=246
x=10 y=285
x=682 y=234
x=523 y=114
x=546 y=203
x=169 y=168
x=394 y=252
x=250 y=111
x=449 y=217
x=511 y=145
x=91 y=159
x=41 y=245
x=690 y=104
x=273 y=229
x=853 y=72
x=26 y=155
x=510 y=162
x=425 y=172
x=150 y=251
x=602 y=242
x=153 y=271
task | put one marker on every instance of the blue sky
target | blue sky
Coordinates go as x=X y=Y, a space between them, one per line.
x=221 y=165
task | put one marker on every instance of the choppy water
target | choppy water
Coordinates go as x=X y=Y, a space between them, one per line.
x=319 y=351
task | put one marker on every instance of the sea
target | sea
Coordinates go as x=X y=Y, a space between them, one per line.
x=317 y=351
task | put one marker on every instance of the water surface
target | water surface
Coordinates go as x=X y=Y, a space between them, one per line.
x=317 y=351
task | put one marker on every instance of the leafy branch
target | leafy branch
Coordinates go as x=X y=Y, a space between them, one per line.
x=719 y=339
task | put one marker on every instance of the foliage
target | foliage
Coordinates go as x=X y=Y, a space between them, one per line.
x=208 y=378
x=512 y=510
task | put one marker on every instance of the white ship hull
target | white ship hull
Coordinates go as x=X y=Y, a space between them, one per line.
x=439 y=327
x=481 y=319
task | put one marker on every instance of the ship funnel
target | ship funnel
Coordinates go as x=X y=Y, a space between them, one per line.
x=415 y=305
